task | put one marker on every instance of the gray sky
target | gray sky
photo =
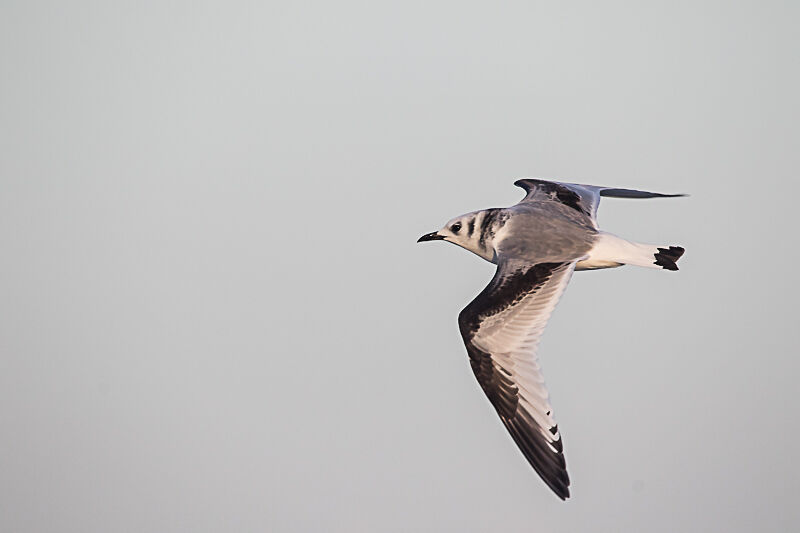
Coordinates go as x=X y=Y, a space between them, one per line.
x=214 y=316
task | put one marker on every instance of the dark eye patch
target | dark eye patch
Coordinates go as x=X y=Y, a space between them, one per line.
x=455 y=228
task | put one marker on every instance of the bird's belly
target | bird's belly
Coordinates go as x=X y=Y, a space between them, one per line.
x=594 y=264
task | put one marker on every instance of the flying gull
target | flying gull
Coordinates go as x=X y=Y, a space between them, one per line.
x=536 y=245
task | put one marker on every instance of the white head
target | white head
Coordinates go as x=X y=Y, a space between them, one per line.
x=474 y=232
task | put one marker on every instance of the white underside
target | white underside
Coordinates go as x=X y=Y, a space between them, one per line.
x=610 y=251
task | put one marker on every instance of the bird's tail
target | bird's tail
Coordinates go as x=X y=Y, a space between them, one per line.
x=610 y=251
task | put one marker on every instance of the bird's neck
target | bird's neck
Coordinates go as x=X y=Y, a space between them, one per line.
x=485 y=228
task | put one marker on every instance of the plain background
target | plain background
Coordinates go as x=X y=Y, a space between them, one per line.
x=214 y=315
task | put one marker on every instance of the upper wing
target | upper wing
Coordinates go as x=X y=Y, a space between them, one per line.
x=501 y=328
x=583 y=198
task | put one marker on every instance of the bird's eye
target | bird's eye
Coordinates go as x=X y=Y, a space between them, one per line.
x=455 y=228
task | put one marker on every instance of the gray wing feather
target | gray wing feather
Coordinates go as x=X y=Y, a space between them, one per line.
x=501 y=328
x=584 y=198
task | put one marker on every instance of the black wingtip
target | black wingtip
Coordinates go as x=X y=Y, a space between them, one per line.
x=633 y=193
x=560 y=490
x=667 y=258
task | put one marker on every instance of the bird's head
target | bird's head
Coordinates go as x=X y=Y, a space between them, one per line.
x=468 y=232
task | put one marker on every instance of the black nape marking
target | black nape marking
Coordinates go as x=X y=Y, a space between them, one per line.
x=486 y=224
x=470 y=226
x=667 y=258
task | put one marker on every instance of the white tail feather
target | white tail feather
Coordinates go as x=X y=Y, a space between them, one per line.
x=611 y=251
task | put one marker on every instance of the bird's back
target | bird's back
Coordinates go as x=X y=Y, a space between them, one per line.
x=545 y=232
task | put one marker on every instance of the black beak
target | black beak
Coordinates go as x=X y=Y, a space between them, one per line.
x=431 y=237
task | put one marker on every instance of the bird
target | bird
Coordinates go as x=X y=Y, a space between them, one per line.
x=536 y=244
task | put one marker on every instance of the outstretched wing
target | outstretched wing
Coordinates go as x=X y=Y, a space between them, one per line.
x=501 y=329
x=582 y=198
